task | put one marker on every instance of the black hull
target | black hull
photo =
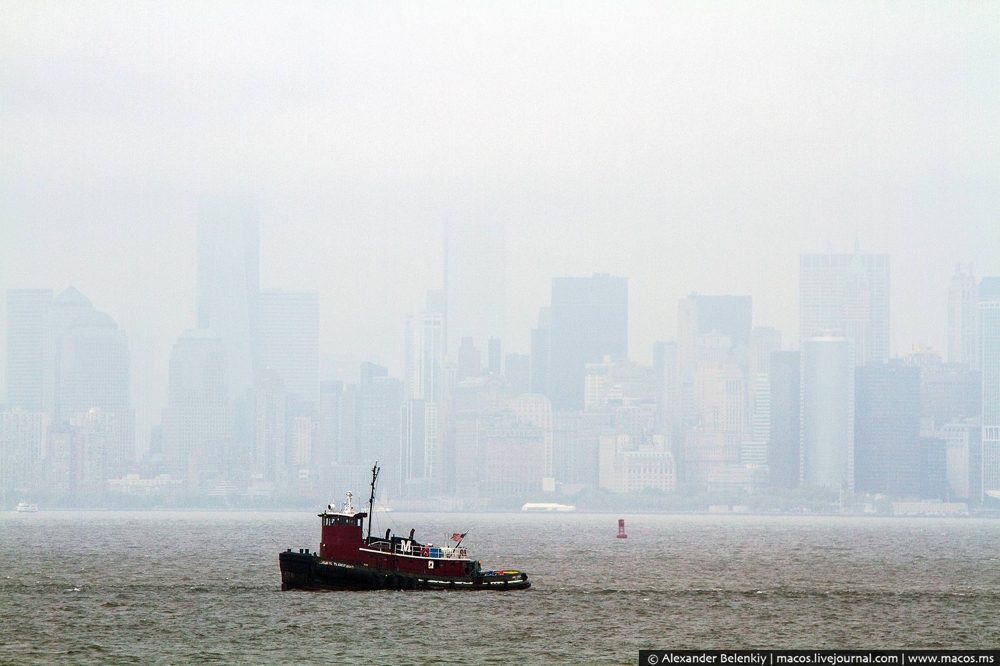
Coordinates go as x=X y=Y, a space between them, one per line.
x=301 y=571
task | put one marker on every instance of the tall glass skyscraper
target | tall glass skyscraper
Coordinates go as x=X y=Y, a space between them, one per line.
x=290 y=342
x=963 y=303
x=589 y=322
x=229 y=283
x=989 y=364
x=849 y=294
x=27 y=325
x=827 y=412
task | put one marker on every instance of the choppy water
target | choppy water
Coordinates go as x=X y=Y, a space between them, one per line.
x=204 y=587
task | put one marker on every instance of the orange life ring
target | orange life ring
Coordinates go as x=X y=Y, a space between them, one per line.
x=425 y=552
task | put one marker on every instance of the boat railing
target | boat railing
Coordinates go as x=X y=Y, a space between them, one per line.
x=410 y=548
x=434 y=552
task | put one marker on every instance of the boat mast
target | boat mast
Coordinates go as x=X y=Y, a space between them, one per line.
x=371 y=501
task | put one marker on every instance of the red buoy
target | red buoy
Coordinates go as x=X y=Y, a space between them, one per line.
x=621 y=529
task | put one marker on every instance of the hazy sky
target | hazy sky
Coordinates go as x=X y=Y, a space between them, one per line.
x=690 y=146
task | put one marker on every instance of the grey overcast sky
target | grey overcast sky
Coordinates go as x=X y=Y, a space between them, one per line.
x=690 y=146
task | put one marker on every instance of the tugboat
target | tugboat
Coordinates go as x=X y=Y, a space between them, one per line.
x=347 y=560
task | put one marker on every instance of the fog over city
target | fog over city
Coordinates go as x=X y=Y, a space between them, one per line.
x=689 y=147
x=532 y=331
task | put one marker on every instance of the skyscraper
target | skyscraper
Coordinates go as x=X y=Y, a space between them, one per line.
x=517 y=371
x=989 y=365
x=537 y=410
x=887 y=449
x=784 y=437
x=66 y=309
x=846 y=294
x=728 y=316
x=589 y=322
x=494 y=356
x=329 y=412
x=93 y=369
x=470 y=360
x=290 y=343
x=22 y=441
x=963 y=302
x=665 y=376
x=269 y=457
x=27 y=320
x=540 y=346
x=379 y=398
x=229 y=284
x=715 y=329
x=423 y=386
x=198 y=420
x=827 y=412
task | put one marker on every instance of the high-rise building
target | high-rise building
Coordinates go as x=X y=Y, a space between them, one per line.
x=713 y=329
x=540 y=352
x=328 y=444
x=537 y=410
x=576 y=445
x=764 y=340
x=784 y=419
x=102 y=444
x=963 y=303
x=270 y=459
x=93 y=367
x=847 y=294
x=665 y=376
x=615 y=383
x=229 y=284
x=23 y=435
x=517 y=371
x=933 y=468
x=470 y=360
x=963 y=460
x=720 y=400
x=67 y=359
x=512 y=452
x=727 y=316
x=589 y=322
x=27 y=322
x=476 y=401
x=494 y=356
x=827 y=412
x=760 y=427
x=989 y=365
x=950 y=392
x=289 y=323
x=423 y=391
x=67 y=308
x=198 y=420
x=887 y=448
x=379 y=399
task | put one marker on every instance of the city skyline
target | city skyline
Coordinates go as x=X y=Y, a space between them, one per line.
x=645 y=180
x=638 y=230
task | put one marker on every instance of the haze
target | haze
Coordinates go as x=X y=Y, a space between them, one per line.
x=687 y=146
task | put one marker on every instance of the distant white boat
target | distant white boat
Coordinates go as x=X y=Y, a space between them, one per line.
x=24 y=507
x=383 y=509
x=547 y=506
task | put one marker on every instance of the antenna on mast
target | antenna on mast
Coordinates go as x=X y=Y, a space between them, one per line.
x=371 y=501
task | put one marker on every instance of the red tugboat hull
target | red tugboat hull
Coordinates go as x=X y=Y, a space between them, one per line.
x=309 y=571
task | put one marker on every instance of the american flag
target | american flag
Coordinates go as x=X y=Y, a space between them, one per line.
x=458 y=536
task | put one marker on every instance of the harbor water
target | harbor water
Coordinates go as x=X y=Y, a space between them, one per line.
x=194 y=587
